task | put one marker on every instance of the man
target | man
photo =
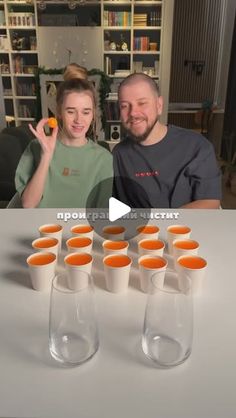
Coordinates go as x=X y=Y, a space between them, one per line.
x=156 y=165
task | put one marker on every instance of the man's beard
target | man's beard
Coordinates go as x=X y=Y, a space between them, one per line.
x=141 y=138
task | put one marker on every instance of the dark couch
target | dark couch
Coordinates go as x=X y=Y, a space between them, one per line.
x=13 y=142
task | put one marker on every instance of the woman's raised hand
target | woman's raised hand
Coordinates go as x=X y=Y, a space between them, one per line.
x=47 y=142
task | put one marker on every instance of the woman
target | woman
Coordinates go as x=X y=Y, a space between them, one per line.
x=62 y=169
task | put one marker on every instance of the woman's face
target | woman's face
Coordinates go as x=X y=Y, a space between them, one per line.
x=77 y=114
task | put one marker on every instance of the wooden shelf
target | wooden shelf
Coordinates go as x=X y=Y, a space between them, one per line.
x=116 y=52
x=26 y=97
x=25 y=119
x=26 y=51
x=117 y=28
x=147 y=28
x=21 y=27
x=23 y=75
x=146 y=52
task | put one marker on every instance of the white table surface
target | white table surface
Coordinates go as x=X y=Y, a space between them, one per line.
x=118 y=381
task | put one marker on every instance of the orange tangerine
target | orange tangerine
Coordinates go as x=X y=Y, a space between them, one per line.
x=52 y=122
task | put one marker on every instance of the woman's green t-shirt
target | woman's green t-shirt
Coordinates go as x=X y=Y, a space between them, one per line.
x=72 y=176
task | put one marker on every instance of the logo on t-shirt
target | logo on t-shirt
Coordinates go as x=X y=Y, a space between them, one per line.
x=147 y=173
x=70 y=172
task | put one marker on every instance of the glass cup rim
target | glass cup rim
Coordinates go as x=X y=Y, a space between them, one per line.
x=173 y=291
x=67 y=290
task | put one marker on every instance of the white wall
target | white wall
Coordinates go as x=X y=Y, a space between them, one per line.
x=85 y=44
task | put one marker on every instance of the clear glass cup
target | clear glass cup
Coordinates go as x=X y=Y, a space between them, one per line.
x=168 y=322
x=73 y=330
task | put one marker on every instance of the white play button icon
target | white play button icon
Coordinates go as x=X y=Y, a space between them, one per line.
x=117 y=209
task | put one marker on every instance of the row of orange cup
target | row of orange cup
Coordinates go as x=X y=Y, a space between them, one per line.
x=42 y=264
x=183 y=249
x=116 y=266
x=180 y=246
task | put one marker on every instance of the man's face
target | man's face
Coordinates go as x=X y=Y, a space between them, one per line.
x=140 y=108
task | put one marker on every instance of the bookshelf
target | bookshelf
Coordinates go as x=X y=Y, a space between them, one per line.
x=132 y=42
x=18 y=58
x=132 y=35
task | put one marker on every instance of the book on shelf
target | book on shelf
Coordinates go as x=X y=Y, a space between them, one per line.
x=153 y=71
x=141 y=43
x=122 y=73
x=7 y=92
x=137 y=66
x=25 y=89
x=155 y=18
x=108 y=69
x=156 y=67
x=112 y=110
x=111 y=18
x=112 y=96
x=149 y=71
x=2 y=18
x=4 y=43
x=18 y=64
x=4 y=67
x=140 y=19
x=21 y=19
x=24 y=111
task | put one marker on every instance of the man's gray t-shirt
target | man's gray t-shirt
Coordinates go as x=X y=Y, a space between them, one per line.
x=179 y=169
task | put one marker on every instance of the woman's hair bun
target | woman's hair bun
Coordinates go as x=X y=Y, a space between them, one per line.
x=75 y=71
